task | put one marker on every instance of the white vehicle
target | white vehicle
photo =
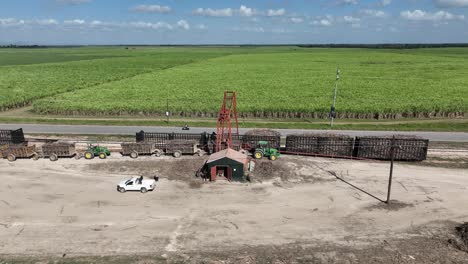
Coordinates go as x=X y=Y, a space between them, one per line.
x=137 y=184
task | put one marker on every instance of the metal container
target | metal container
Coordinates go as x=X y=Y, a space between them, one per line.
x=12 y=136
x=405 y=149
x=56 y=150
x=321 y=145
x=15 y=151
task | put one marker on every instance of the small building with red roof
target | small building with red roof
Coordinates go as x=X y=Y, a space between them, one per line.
x=228 y=163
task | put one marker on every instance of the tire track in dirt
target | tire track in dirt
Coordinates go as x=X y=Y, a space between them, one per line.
x=173 y=239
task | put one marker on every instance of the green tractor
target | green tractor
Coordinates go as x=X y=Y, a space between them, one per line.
x=263 y=150
x=96 y=150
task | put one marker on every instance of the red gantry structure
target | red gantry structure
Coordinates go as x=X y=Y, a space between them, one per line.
x=224 y=127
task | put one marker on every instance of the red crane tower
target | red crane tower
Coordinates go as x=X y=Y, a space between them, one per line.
x=224 y=127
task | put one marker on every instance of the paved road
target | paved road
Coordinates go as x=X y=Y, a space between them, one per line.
x=130 y=130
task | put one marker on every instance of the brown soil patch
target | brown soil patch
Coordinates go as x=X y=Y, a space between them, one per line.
x=461 y=241
x=267 y=170
x=292 y=170
x=393 y=205
x=416 y=250
x=172 y=169
x=462 y=231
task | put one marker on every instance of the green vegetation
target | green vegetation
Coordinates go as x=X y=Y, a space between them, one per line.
x=22 y=84
x=285 y=82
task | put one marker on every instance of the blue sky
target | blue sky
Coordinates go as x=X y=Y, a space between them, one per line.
x=62 y=22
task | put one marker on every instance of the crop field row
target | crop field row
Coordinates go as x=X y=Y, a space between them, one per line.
x=271 y=81
x=10 y=57
x=287 y=84
x=22 y=84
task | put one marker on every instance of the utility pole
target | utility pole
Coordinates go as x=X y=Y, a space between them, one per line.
x=333 y=110
x=390 y=178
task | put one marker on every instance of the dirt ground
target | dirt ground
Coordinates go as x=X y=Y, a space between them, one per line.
x=295 y=210
x=448 y=158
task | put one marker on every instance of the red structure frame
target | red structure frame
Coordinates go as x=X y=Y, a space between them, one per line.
x=224 y=127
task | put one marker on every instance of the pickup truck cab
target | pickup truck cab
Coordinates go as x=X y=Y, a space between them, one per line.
x=136 y=184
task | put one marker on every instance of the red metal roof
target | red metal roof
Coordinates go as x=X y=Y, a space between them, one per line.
x=230 y=154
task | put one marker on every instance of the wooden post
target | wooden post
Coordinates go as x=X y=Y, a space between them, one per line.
x=333 y=110
x=390 y=178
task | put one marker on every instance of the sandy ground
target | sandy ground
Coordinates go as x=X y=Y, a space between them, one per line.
x=72 y=207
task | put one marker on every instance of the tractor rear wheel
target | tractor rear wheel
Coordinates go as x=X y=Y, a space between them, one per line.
x=11 y=157
x=177 y=154
x=89 y=155
x=258 y=155
x=102 y=155
x=53 y=157
x=134 y=155
x=273 y=157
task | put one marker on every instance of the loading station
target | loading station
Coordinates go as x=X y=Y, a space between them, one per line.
x=228 y=163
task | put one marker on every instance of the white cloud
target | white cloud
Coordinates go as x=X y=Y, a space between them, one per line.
x=246 y=11
x=97 y=24
x=43 y=22
x=243 y=10
x=278 y=12
x=322 y=22
x=261 y=30
x=148 y=25
x=351 y=20
x=9 y=22
x=73 y=2
x=17 y=22
x=227 y=12
x=297 y=20
x=373 y=13
x=250 y=29
x=419 y=15
x=347 y=2
x=151 y=9
x=183 y=24
x=451 y=3
x=201 y=26
x=74 y=22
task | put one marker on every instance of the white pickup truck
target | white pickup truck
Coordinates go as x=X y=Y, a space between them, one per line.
x=137 y=184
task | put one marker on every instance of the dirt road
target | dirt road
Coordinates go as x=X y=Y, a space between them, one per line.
x=71 y=207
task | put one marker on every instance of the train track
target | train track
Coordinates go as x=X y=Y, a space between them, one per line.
x=131 y=130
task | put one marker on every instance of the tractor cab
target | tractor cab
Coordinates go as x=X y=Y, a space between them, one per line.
x=263 y=150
